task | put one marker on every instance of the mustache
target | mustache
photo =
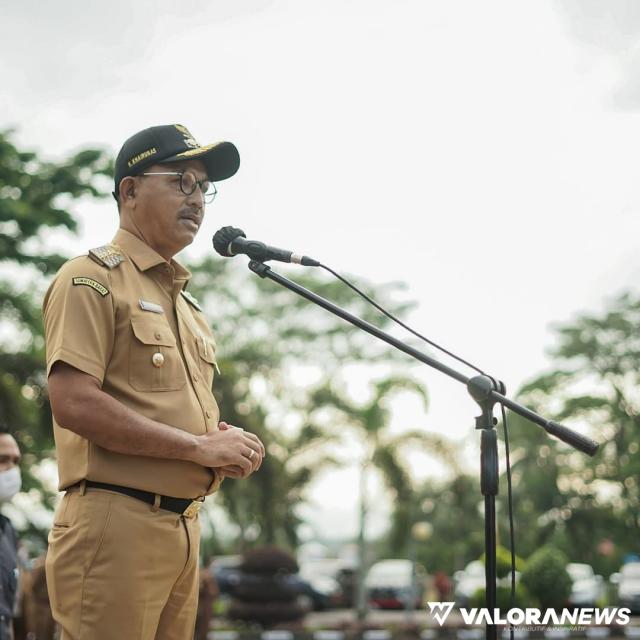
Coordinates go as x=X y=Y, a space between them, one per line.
x=191 y=214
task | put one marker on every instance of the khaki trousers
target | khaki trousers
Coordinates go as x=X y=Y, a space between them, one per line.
x=120 y=569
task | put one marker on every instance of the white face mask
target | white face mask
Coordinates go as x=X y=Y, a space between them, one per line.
x=10 y=483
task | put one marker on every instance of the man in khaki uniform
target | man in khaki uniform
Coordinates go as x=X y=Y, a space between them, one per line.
x=131 y=362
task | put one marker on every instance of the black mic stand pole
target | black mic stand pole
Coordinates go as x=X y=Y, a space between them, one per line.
x=486 y=392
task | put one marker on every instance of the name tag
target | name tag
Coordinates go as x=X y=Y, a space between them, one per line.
x=150 y=306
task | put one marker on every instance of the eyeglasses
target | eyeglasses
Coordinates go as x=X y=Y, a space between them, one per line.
x=189 y=182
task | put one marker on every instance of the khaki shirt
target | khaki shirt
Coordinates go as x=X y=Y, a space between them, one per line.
x=112 y=324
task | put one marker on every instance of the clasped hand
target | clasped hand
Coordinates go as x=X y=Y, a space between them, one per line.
x=232 y=451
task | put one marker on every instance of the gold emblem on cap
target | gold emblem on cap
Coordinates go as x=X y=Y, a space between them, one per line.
x=189 y=140
x=157 y=359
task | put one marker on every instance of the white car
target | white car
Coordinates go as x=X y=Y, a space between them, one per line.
x=586 y=587
x=629 y=587
x=321 y=576
x=390 y=584
x=467 y=582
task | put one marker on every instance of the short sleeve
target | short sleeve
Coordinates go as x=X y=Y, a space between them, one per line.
x=79 y=317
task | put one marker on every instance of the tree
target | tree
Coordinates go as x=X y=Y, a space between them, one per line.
x=381 y=451
x=35 y=196
x=453 y=508
x=578 y=502
x=546 y=579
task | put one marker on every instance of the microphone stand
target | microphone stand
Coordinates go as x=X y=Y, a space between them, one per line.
x=486 y=392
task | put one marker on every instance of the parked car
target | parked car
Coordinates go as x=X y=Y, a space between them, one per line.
x=226 y=573
x=586 y=588
x=389 y=584
x=629 y=587
x=229 y=577
x=467 y=582
x=472 y=579
x=327 y=578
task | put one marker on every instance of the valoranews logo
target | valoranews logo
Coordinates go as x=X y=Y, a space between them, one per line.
x=532 y=616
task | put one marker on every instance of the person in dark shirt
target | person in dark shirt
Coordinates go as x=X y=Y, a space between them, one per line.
x=10 y=483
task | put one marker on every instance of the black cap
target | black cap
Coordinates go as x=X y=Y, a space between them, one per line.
x=171 y=143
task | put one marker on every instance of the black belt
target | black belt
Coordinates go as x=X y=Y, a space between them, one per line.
x=184 y=506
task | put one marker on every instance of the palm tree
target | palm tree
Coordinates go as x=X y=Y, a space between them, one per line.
x=382 y=452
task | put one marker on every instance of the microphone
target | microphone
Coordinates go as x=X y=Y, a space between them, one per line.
x=230 y=241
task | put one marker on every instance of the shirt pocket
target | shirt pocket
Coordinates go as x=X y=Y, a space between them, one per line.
x=154 y=359
x=208 y=361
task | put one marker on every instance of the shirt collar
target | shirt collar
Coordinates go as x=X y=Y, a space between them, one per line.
x=144 y=257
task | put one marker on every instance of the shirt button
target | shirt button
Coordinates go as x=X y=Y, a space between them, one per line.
x=157 y=359
x=209 y=413
x=195 y=377
x=158 y=335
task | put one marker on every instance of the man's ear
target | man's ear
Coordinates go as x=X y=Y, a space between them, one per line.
x=127 y=190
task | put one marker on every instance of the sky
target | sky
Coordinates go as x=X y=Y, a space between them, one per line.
x=484 y=153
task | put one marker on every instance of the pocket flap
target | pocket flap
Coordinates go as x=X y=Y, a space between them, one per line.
x=207 y=349
x=156 y=333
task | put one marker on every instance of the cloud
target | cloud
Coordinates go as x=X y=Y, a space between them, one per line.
x=610 y=35
x=72 y=50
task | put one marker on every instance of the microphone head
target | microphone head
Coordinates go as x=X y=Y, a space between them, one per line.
x=222 y=238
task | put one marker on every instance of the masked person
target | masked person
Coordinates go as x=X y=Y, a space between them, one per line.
x=130 y=362
x=10 y=483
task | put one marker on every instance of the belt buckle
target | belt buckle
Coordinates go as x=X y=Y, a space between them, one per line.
x=192 y=510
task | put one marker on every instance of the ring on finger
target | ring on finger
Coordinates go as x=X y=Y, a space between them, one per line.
x=252 y=454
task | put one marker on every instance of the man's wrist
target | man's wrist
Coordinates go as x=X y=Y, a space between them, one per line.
x=190 y=448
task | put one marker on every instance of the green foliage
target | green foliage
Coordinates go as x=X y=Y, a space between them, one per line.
x=562 y=498
x=383 y=452
x=546 y=579
x=503 y=598
x=452 y=508
x=503 y=562
x=34 y=197
x=565 y=498
x=31 y=195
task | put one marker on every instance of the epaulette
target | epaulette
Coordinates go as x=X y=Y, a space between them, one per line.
x=109 y=255
x=191 y=300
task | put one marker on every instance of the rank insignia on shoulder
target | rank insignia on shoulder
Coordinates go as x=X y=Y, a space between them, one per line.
x=94 y=284
x=191 y=300
x=109 y=255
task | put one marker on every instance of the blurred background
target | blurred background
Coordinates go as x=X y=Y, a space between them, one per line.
x=472 y=166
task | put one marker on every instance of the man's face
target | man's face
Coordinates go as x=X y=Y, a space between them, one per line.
x=168 y=219
x=9 y=452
